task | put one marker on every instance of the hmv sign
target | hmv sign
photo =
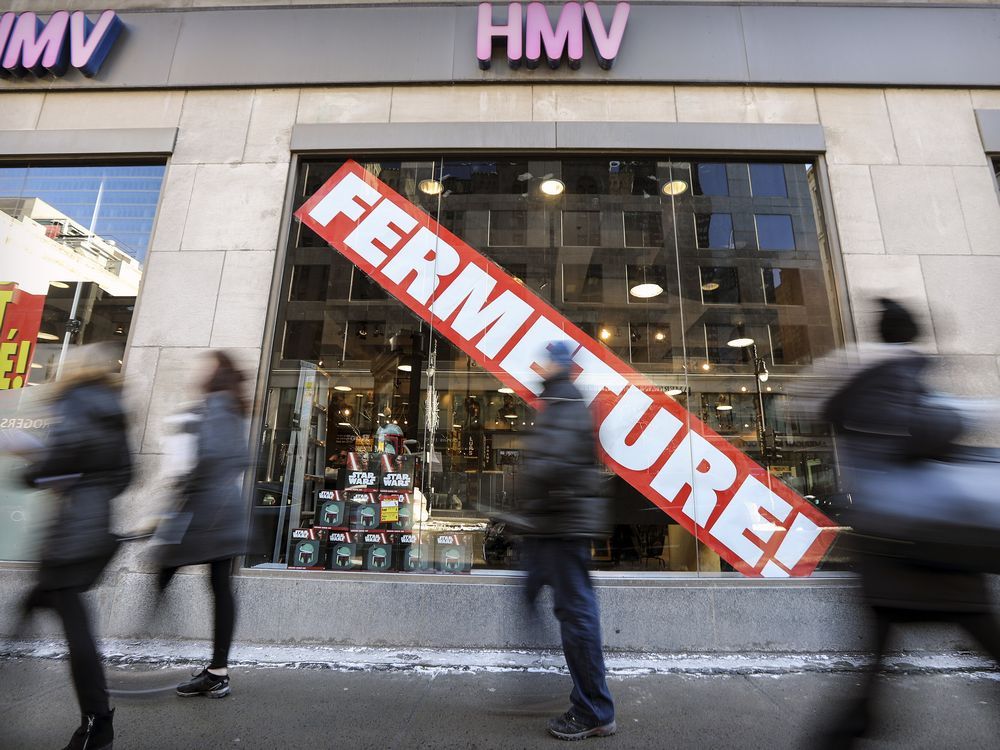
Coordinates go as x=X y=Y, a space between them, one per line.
x=31 y=46
x=529 y=34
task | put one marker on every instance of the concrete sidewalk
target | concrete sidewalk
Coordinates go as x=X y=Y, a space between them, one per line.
x=305 y=697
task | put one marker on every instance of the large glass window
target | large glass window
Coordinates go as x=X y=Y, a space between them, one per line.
x=697 y=273
x=73 y=240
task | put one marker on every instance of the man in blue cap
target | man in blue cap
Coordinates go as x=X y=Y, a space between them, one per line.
x=563 y=509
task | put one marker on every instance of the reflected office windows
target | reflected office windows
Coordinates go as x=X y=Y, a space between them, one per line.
x=720 y=285
x=643 y=229
x=714 y=231
x=774 y=232
x=768 y=181
x=782 y=286
x=710 y=179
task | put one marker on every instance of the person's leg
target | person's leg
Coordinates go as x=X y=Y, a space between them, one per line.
x=164 y=577
x=579 y=621
x=84 y=660
x=225 y=614
x=985 y=628
x=851 y=719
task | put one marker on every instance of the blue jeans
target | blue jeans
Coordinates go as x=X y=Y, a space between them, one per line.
x=564 y=564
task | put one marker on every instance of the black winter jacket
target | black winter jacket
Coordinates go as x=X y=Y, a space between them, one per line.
x=88 y=447
x=562 y=486
x=211 y=504
x=884 y=422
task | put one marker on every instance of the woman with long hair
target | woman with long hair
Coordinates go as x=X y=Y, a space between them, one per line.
x=211 y=511
x=86 y=463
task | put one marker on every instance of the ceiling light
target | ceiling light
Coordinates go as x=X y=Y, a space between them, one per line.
x=769 y=389
x=405 y=368
x=431 y=187
x=675 y=391
x=740 y=343
x=552 y=186
x=674 y=187
x=710 y=286
x=505 y=389
x=43 y=336
x=743 y=389
x=706 y=367
x=605 y=334
x=510 y=416
x=59 y=284
x=660 y=335
x=343 y=388
x=457 y=426
x=646 y=290
x=723 y=407
x=37 y=366
x=763 y=376
x=343 y=424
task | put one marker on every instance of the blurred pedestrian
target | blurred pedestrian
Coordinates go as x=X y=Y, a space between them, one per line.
x=562 y=511
x=209 y=525
x=893 y=433
x=86 y=462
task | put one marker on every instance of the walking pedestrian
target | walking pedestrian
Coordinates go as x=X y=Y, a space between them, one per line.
x=889 y=426
x=562 y=511
x=209 y=525
x=86 y=463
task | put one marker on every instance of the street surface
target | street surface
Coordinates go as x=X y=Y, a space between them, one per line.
x=312 y=705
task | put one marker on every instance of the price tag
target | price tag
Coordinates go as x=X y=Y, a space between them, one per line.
x=390 y=511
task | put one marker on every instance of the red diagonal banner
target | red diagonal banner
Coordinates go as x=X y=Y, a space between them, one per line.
x=753 y=521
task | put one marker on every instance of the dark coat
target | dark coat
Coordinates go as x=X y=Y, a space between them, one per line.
x=562 y=486
x=211 y=501
x=884 y=423
x=88 y=447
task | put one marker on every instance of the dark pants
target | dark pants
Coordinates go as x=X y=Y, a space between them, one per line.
x=84 y=660
x=225 y=608
x=984 y=627
x=564 y=565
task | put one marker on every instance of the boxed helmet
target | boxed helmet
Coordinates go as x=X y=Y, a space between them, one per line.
x=452 y=553
x=415 y=554
x=345 y=553
x=308 y=550
x=396 y=511
x=332 y=510
x=365 y=517
x=378 y=551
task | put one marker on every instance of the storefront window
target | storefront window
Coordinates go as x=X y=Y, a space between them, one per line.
x=665 y=262
x=73 y=240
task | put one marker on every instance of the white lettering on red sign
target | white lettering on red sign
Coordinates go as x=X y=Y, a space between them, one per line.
x=753 y=521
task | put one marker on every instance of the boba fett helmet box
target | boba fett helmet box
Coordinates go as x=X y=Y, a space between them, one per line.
x=415 y=554
x=332 y=510
x=452 y=553
x=363 y=508
x=345 y=551
x=377 y=551
x=309 y=550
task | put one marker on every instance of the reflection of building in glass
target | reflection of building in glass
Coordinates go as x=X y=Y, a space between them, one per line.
x=89 y=283
x=41 y=245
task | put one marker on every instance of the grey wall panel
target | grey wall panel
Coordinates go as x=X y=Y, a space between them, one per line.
x=354 y=137
x=112 y=141
x=315 y=45
x=896 y=46
x=701 y=137
x=989 y=129
x=669 y=43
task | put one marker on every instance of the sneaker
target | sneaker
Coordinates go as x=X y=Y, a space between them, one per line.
x=568 y=727
x=205 y=683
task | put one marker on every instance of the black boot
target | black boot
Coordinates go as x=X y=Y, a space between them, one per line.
x=96 y=732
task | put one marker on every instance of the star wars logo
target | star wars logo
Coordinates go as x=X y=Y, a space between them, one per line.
x=361 y=478
x=396 y=480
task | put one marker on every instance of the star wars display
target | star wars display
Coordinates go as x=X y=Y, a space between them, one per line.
x=308 y=550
